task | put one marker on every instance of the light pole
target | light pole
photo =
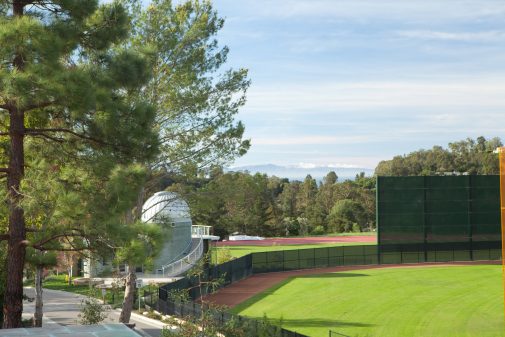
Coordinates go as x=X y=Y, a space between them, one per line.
x=501 y=154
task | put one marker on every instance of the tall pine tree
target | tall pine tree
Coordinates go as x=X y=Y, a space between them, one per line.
x=64 y=86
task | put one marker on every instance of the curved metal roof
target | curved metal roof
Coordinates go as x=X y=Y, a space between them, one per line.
x=166 y=205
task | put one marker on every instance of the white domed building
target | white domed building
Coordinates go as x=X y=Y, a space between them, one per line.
x=172 y=213
x=183 y=244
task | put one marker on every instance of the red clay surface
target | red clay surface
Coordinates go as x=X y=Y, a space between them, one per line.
x=240 y=291
x=299 y=241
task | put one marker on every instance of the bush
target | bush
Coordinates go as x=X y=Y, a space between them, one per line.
x=318 y=230
x=92 y=312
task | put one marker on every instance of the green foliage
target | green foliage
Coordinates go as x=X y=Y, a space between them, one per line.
x=40 y=259
x=222 y=255
x=92 y=312
x=195 y=98
x=139 y=243
x=3 y=276
x=86 y=126
x=346 y=216
x=60 y=283
x=270 y=206
x=467 y=156
x=318 y=230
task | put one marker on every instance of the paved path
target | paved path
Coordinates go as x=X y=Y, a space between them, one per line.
x=242 y=290
x=63 y=307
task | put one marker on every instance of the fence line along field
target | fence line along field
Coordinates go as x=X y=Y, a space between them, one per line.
x=392 y=302
x=240 y=248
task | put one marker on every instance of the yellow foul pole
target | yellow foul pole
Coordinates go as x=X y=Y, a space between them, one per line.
x=501 y=152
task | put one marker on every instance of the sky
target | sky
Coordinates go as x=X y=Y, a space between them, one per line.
x=353 y=82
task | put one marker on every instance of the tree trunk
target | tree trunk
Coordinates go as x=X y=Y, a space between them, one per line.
x=129 y=297
x=69 y=274
x=37 y=316
x=13 y=305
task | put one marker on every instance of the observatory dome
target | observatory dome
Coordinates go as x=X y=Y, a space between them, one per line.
x=171 y=212
x=166 y=206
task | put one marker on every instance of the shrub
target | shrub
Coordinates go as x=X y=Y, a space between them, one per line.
x=92 y=311
x=318 y=230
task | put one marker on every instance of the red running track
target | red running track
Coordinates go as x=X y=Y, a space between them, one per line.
x=300 y=241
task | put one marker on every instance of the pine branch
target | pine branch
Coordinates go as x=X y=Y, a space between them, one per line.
x=4 y=237
x=37 y=106
x=79 y=135
x=4 y=170
x=43 y=135
x=54 y=237
x=43 y=249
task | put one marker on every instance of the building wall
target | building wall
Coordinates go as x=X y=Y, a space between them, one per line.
x=178 y=242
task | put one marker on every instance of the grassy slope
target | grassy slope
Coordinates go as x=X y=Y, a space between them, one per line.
x=432 y=301
x=238 y=251
x=58 y=283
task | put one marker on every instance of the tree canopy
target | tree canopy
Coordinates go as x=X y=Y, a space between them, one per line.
x=467 y=156
x=71 y=127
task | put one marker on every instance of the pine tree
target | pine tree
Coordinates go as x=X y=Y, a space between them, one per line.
x=66 y=89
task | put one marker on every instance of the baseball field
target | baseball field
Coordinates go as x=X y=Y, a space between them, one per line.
x=420 y=301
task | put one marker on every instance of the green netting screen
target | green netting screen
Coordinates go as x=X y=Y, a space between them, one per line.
x=436 y=214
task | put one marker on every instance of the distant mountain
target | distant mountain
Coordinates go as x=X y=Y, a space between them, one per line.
x=300 y=171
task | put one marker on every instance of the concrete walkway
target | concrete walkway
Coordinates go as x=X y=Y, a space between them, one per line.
x=64 y=307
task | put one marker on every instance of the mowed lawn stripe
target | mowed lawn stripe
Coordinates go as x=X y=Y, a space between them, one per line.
x=430 y=301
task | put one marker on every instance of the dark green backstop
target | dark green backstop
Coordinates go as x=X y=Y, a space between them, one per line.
x=432 y=214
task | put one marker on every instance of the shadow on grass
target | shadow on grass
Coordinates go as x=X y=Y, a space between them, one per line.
x=333 y=275
x=319 y=323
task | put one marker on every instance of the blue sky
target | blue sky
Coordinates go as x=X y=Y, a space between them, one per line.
x=353 y=82
x=356 y=81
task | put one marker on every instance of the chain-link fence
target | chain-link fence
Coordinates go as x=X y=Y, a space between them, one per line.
x=336 y=334
x=253 y=327
x=286 y=260
x=229 y=272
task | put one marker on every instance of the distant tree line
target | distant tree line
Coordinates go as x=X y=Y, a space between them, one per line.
x=256 y=204
x=468 y=156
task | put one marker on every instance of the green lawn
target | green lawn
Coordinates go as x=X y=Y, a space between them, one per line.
x=398 y=302
x=55 y=282
x=58 y=283
x=238 y=251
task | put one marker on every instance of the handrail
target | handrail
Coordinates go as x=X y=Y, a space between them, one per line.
x=196 y=230
x=184 y=264
x=199 y=230
x=182 y=254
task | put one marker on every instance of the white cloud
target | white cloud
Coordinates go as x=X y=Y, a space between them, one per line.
x=359 y=96
x=486 y=36
x=306 y=140
x=364 y=10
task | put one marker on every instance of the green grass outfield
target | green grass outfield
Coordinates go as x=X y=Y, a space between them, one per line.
x=395 y=302
x=238 y=251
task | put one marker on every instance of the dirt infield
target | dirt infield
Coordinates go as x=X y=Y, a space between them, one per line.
x=243 y=290
x=300 y=241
